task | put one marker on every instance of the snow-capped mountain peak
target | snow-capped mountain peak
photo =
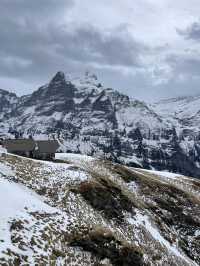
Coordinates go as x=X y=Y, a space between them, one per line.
x=92 y=119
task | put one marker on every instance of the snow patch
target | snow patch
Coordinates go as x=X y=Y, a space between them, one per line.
x=76 y=158
x=143 y=220
x=14 y=198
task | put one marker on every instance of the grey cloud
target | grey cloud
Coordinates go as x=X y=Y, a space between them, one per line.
x=35 y=42
x=184 y=79
x=23 y=34
x=18 y=10
x=191 y=32
x=93 y=46
x=187 y=66
x=32 y=48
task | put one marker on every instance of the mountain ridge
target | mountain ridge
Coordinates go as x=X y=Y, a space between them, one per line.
x=89 y=118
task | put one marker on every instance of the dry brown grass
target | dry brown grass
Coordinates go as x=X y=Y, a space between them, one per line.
x=103 y=243
x=104 y=196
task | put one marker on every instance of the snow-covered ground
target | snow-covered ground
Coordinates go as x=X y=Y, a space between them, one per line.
x=41 y=206
x=71 y=157
x=15 y=202
x=182 y=182
x=143 y=220
x=164 y=174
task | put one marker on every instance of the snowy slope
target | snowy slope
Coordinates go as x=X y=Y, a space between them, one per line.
x=182 y=111
x=83 y=211
x=20 y=202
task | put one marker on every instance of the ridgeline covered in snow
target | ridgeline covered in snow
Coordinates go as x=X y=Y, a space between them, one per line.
x=88 y=118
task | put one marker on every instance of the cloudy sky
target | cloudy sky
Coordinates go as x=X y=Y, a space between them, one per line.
x=149 y=49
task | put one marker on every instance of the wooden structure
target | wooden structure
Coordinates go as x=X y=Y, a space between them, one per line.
x=37 y=149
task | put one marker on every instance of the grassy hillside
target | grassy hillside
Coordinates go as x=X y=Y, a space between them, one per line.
x=82 y=211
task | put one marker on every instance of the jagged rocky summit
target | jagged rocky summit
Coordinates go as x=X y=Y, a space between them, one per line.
x=88 y=118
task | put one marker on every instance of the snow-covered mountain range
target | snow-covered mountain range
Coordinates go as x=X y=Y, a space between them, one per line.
x=88 y=118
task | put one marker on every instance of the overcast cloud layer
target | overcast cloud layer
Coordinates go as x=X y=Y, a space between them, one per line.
x=148 y=49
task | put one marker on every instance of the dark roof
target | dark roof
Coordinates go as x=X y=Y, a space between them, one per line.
x=47 y=146
x=26 y=145
x=19 y=145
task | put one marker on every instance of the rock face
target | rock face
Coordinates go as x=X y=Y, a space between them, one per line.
x=8 y=101
x=89 y=118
